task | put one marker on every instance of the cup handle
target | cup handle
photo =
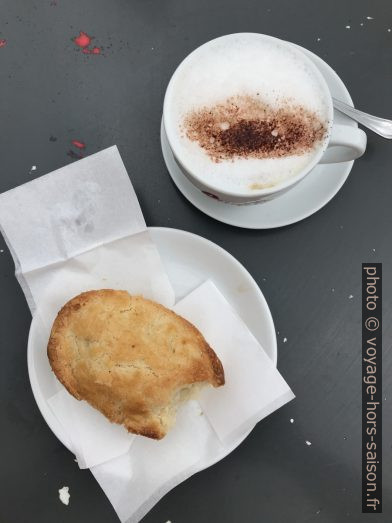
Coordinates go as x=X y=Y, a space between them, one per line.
x=345 y=144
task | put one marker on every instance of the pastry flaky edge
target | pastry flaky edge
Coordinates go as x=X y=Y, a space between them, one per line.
x=144 y=393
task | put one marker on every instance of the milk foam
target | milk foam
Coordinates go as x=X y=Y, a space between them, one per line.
x=235 y=65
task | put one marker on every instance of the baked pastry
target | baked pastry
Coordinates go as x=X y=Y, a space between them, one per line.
x=131 y=358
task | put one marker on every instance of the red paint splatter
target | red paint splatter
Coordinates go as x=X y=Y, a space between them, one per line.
x=83 y=40
x=78 y=144
x=3 y=42
x=94 y=50
x=77 y=155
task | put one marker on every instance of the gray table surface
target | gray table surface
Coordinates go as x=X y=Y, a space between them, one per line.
x=48 y=88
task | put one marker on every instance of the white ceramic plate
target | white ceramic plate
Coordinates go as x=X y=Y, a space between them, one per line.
x=303 y=200
x=189 y=261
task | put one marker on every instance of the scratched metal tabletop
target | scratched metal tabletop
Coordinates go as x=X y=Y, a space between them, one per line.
x=53 y=96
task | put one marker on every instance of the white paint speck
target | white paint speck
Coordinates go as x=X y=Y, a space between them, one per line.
x=264 y=279
x=284 y=340
x=369 y=18
x=348 y=26
x=291 y=420
x=33 y=168
x=64 y=495
x=308 y=443
x=318 y=511
x=374 y=250
x=361 y=24
x=319 y=39
x=332 y=290
x=389 y=30
x=350 y=297
x=1 y=251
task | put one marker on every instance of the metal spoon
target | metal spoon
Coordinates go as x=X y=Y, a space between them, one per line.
x=381 y=126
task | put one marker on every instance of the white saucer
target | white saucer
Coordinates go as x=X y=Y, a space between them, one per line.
x=309 y=196
x=189 y=261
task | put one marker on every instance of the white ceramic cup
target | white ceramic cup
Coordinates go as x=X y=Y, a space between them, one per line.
x=341 y=144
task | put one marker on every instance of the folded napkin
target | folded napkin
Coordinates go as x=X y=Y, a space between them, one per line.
x=76 y=229
x=80 y=228
x=254 y=388
x=94 y=439
x=205 y=430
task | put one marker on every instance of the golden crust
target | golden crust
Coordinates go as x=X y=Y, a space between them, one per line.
x=130 y=358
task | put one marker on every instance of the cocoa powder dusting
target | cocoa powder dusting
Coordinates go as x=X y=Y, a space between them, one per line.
x=245 y=127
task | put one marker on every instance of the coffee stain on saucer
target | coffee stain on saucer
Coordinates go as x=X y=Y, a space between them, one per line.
x=243 y=287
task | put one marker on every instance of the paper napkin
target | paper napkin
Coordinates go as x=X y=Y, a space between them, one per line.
x=206 y=430
x=94 y=439
x=254 y=388
x=79 y=228
x=76 y=229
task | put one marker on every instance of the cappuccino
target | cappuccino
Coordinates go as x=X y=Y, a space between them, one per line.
x=245 y=113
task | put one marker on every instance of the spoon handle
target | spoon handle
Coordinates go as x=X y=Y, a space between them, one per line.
x=381 y=126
